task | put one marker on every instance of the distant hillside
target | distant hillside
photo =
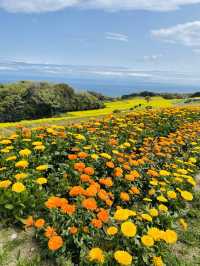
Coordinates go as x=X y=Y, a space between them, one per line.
x=153 y=94
x=32 y=100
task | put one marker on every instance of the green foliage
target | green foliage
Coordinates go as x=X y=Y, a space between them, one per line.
x=165 y=95
x=28 y=100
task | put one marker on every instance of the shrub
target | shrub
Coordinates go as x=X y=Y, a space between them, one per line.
x=28 y=100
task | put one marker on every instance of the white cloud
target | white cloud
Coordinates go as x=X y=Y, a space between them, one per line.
x=69 y=72
x=187 y=34
x=36 y=6
x=153 y=57
x=116 y=36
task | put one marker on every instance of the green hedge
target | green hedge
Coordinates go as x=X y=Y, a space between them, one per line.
x=32 y=100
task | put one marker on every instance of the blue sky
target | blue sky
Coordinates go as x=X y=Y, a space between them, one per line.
x=140 y=37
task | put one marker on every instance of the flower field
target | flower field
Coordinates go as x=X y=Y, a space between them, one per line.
x=105 y=192
x=121 y=105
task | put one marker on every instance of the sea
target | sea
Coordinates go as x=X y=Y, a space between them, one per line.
x=109 y=87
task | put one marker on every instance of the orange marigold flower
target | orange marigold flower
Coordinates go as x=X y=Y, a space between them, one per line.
x=103 y=195
x=126 y=166
x=89 y=204
x=26 y=132
x=91 y=191
x=113 y=142
x=121 y=160
x=124 y=196
x=29 y=221
x=103 y=216
x=55 y=242
x=79 y=166
x=53 y=202
x=85 y=229
x=39 y=223
x=110 y=164
x=49 y=232
x=73 y=230
x=132 y=176
x=89 y=171
x=96 y=223
x=85 y=178
x=68 y=208
x=135 y=190
x=109 y=202
x=152 y=173
x=76 y=191
x=72 y=156
x=118 y=172
x=63 y=202
x=106 y=181
x=82 y=155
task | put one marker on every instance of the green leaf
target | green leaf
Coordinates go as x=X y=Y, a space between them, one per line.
x=9 y=206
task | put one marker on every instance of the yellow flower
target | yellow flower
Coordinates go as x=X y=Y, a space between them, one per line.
x=41 y=181
x=37 y=143
x=106 y=156
x=157 y=261
x=5 y=142
x=94 y=156
x=123 y=257
x=131 y=213
x=25 y=153
x=147 y=199
x=18 y=187
x=192 y=160
x=147 y=241
x=43 y=167
x=39 y=148
x=146 y=217
x=151 y=191
x=6 y=150
x=182 y=171
x=80 y=137
x=170 y=237
x=154 y=182
x=5 y=184
x=162 y=208
x=183 y=224
x=164 y=173
x=121 y=215
x=21 y=176
x=153 y=212
x=112 y=230
x=129 y=229
x=171 y=194
x=155 y=233
x=22 y=164
x=186 y=195
x=162 y=199
x=191 y=180
x=11 y=158
x=96 y=254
